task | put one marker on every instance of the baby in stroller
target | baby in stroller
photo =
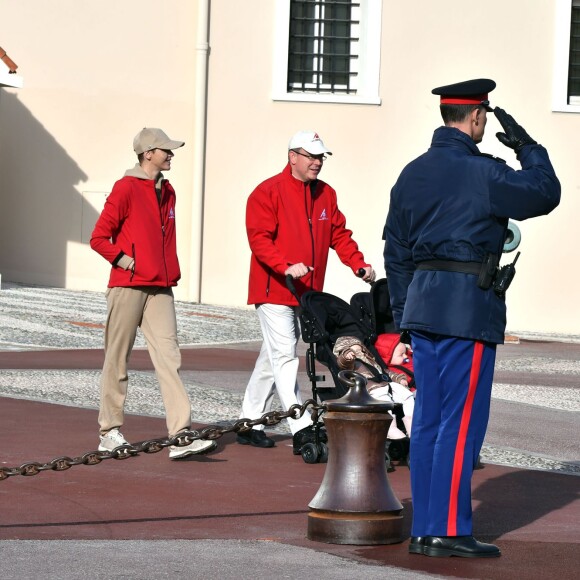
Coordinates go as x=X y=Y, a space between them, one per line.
x=344 y=338
x=398 y=356
x=352 y=354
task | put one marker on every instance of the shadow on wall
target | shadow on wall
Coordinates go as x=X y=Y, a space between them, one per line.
x=41 y=210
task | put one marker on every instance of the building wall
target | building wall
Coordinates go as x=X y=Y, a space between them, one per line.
x=94 y=74
x=97 y=72
x=423 y=46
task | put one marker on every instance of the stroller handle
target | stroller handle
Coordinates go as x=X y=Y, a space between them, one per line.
x=361 y=272
x=290 y=282
x=291 y=287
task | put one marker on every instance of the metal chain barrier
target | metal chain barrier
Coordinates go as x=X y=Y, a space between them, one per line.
x=155 y=445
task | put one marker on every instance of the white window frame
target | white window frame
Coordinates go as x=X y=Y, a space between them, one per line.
x=562 y=59
x=369 y=58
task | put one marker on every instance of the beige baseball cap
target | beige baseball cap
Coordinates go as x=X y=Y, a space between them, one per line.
x=309 y=141
x=148 y=139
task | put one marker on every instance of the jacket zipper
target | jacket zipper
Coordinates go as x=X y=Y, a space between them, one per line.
x=162 y=235
x=309 y=217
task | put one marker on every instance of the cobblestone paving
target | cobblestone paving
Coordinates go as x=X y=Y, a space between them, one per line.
x=50 y=318
x=32 y=317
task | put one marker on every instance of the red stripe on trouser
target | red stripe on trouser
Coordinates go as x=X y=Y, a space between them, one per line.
x=461 y=439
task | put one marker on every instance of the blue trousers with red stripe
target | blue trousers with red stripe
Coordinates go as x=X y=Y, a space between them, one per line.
x=454 y=377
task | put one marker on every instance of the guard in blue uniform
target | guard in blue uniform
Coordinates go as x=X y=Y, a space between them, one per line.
x=444 y=235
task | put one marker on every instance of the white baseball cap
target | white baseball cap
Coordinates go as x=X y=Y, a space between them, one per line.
x=309 y=141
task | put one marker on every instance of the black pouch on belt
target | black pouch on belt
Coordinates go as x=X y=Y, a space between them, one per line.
x=487 y=272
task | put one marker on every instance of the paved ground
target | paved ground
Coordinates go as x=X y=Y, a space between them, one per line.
x=242 y=512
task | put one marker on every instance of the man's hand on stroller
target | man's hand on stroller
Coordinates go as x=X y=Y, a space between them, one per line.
x=298 y=270
x=367 y=274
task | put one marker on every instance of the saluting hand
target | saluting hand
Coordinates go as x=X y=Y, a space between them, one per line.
x=515 y=136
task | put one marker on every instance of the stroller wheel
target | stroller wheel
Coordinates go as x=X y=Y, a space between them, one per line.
x=323 y=458
x=388 y=458
x=395 y=450
x=399 y=449
x=388 y=463
x=309 y=453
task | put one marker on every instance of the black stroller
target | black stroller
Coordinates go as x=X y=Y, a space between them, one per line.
x=324 y=318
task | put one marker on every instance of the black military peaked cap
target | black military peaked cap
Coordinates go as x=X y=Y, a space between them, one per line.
x=473 y=92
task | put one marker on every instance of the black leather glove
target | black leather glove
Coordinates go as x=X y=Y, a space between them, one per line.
x=515 y=136
x=405 y=337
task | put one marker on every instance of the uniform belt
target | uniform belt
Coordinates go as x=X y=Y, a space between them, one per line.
x=451 y=266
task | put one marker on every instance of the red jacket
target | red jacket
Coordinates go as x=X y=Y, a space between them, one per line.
x=135 y=224
x=287 y=225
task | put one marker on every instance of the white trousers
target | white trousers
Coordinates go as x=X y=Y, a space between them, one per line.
x=276 y=367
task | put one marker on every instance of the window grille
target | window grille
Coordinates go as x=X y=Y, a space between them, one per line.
x=324 y=46
x=574 y=62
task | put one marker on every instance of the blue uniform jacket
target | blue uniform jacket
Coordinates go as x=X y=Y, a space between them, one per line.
x=453 y=203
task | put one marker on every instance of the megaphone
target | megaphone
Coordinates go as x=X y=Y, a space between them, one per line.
x=513 y=237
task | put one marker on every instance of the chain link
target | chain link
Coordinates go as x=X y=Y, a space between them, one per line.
x=155 y=445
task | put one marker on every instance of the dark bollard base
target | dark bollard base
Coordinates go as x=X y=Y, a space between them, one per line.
x=361 y=529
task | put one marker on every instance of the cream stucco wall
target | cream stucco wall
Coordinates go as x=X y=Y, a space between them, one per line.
x=94 y=74
x=423 y=46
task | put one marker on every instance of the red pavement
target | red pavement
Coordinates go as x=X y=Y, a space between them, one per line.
x=193 y=359
x=239 y=492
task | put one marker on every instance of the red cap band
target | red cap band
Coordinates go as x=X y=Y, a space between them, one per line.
x=473 y=100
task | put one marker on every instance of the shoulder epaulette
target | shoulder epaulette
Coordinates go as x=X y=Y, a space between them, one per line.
x=490 y=156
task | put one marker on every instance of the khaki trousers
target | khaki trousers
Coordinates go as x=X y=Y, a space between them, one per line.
x=151 y=308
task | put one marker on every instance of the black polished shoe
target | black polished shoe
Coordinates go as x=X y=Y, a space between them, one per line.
x=417 y=545
x=462 y=546
x=255 y=437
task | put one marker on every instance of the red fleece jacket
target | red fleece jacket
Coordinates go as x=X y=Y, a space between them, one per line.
x=287 y=224
x=134 y=223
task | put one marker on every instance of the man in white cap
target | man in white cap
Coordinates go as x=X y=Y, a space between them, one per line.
x=136 y=234
x=292 y=220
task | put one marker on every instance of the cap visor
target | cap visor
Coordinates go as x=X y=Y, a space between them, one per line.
x=172 y=145
x=317 y=150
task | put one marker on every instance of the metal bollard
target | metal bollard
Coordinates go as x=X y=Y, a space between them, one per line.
x=355 y=503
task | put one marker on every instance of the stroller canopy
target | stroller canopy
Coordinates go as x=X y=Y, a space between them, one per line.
x=325 y=317
x=373 y=309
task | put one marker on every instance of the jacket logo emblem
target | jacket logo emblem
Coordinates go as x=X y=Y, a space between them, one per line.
x=171 y=214
x=323 y=215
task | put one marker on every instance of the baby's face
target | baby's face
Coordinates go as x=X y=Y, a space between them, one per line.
x=399 y=354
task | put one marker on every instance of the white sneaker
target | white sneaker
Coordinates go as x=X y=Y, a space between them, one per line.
x=194 y=448
x=112 y=440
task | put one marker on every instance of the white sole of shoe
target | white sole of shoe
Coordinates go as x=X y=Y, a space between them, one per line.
x=182 y=454
x=101 y=448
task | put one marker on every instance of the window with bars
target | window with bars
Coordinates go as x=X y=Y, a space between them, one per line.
x=327 y=51
x=574 y=59
x=566 y=87
x=323 y=48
